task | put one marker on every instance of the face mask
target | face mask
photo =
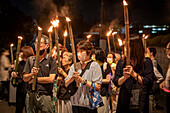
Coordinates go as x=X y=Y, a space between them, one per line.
x=82 y=57
x=109 y=60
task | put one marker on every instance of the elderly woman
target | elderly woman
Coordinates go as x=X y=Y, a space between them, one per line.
x=80 y=100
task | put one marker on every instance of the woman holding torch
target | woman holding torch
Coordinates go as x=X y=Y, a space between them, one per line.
x=135 y=79
x=26 y=52
x=80 y=100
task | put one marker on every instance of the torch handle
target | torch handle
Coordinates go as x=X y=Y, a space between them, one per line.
x=108 y=42
x=36 y=59
x=72 y=47
x=50 y=39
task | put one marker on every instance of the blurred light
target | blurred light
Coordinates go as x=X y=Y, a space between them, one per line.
x=164 y=29
x=140 y=31
x=159 y=29
x=154 y=26
x=154 y=31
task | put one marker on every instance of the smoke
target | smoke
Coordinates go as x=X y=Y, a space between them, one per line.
x=114 y=23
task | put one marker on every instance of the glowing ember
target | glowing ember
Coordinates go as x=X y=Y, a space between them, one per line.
x=125 y=3
x=20 y=37
x=88 y=36
x=39 y=28
x=55 y=23
x=120 y=42
x=109 y=32
x=65 y=33
x=143 y=35
x=12 y=45
x=114 y=33
x=50 y=29
x=68 y=19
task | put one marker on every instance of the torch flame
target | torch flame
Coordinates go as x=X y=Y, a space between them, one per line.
x=114 y=33
x=125 y=3
x=68 y=19
x=39 y=28
x=65 y=33
x=109 y=32
x=120 y=42
x=12 y=45
x=146 y=37
x=50 y=29
x=88 y=36
x=55 y=23
x=143 y=35
x=20 y=37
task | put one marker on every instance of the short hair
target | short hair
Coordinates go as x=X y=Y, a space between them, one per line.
x=100 y=54
x=27 y=51
x=112 y=54
x=46 y=39
x=152 y=50
x=87 y=46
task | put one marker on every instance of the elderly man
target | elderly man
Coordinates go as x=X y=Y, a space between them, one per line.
x=40 y=99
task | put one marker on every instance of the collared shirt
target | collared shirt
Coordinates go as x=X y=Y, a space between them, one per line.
x=46 y=67
x=93 y=74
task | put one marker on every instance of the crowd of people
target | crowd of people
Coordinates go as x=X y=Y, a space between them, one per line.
x=124 y=88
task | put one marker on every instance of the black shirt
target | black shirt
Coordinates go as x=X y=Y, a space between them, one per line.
x=46 y=67
x=105 y=72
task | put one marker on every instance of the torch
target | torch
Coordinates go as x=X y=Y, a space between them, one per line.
x=120 y=43
x=17 y=56
x=126 y=18
x=55 y=23
x=50 y=30
x=12 y=58
x=145 y=45
x=113 y=34
x=88 y=37
x=70 y=31
x=36 y=57
x=108 y=40
x=65 y=36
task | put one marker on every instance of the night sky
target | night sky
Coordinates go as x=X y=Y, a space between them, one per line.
x=141 y=11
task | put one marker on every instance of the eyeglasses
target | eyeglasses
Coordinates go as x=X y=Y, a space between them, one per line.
x=166 y=49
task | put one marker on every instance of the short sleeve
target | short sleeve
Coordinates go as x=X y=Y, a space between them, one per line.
x=27 y=68
x=96 y=73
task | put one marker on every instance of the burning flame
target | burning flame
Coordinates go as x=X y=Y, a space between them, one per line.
x=114 y=33
x=146 y=36
x=143 y=35
x=125 y=3
x=88 y=36
x=39 y=28
x=68 y=19
x=55 y=23
x=120 y=42
x=65 y=33
x=109 y=32
x=20 y=37
x=50 y=29
x=12 y=45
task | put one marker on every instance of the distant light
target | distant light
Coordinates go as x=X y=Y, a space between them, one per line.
x=140 y=31
x=167 y=26
x=147 y=26
x=154 y=31
x=130 y=26
x=164 y=26
x=159 y=29
x=164 y=29
x=100 y=25
x=154 y=26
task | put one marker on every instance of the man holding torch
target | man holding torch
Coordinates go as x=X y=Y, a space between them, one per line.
x=40 y=98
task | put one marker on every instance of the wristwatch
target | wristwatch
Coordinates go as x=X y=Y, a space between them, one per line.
x=84 y=82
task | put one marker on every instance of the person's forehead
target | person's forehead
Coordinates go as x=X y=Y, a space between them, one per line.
x=109 y=55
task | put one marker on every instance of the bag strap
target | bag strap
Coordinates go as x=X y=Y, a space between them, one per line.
x=92 y=86
x=87 y=67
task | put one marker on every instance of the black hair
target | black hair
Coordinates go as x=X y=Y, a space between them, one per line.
x=152 y=50
x=99 y=54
